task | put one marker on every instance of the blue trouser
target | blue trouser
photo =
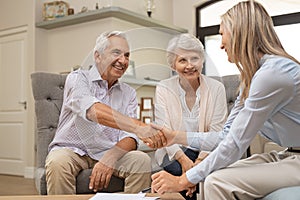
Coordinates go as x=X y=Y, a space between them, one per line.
x=174 y=168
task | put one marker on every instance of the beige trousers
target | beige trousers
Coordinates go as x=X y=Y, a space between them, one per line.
x=63 y=165
x=253 y=177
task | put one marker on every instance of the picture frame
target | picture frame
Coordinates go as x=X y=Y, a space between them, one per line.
x=146 y=103
x=130 y=71
x=55 y=9
x=147 y=120
x=147 y=113
x=138 y=112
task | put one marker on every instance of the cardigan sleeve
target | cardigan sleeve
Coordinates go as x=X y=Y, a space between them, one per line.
x=162 y=114
x=219 y=112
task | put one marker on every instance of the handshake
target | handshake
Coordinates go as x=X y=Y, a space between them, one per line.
x=157 y=136
x=153 y=135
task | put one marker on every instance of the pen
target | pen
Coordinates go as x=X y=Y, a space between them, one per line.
x=148 y=189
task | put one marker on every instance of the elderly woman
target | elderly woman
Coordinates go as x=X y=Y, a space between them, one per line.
x=189 y=101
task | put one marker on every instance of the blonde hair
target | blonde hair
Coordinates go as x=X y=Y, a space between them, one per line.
x=252 y=33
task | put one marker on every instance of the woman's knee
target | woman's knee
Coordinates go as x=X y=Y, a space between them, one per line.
x=215 y=181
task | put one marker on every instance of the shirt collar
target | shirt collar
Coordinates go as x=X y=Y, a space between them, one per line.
x=96 y=76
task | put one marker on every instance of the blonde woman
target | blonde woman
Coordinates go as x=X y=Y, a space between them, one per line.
x=268 y=104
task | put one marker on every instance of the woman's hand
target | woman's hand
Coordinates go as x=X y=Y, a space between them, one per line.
x=185 y=162
x=163 y=182
x=202 y=155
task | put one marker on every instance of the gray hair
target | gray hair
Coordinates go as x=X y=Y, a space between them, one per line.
x=102 y=41
x=184 y=41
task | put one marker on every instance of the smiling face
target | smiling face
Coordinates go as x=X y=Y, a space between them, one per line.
x=188 y=64
x=225 y=44
x=113 y=63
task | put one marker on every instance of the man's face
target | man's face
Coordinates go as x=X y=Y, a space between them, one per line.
x=225 y=44
x=113 y=63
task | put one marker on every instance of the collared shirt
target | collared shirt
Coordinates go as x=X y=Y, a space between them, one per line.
x=271 y=109
x=83 y=88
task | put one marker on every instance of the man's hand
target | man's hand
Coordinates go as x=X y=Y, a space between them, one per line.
x=153 y=137
x=100 y=176
x=172 y=137
x=164 y=182
x=104 y=169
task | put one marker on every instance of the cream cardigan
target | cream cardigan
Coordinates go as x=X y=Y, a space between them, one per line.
x=168 y=109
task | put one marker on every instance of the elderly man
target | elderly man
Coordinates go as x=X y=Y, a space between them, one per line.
x=96 y=125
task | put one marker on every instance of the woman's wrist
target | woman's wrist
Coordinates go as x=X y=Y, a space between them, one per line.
x=184 y=183
x=180 y=138
x=179 y=155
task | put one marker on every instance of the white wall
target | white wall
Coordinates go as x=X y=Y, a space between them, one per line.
x=59 y=49
x=13 y=14
x=62 y=48
x=184 y=14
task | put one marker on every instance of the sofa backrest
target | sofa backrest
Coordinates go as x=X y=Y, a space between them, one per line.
x=47 y=91
x=231 y=83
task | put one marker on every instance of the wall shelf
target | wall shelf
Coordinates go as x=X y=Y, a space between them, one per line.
x=102 y=13
x=139 y=82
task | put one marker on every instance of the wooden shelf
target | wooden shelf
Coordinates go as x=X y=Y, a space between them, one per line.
x=138 y=81
x=113 y=11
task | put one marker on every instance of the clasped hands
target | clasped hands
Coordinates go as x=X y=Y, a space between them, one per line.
x=156 y=136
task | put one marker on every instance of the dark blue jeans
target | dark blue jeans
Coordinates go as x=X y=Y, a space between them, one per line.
x=174 y=168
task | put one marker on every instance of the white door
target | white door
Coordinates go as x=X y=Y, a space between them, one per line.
x=13 y=89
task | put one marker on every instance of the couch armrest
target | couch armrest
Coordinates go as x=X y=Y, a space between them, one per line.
x=263 y=145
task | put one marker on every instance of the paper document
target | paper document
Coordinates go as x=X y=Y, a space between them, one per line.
x=117 y=196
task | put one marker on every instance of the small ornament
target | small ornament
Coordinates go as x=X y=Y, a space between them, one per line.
x=149 y=7
x=71 y=11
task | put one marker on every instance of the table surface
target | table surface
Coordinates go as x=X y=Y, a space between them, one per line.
x=166 y=196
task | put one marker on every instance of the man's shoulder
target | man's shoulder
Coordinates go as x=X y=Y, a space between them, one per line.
x=126 y=87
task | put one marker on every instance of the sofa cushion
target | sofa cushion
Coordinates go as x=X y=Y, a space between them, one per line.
x=289 y=193
x=116 y=184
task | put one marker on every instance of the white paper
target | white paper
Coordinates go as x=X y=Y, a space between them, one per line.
x=118 y=196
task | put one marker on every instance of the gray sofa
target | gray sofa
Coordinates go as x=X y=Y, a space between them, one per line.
x=48 y=95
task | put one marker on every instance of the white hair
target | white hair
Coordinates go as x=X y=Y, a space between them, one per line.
x=184 y=41
x=102 y=41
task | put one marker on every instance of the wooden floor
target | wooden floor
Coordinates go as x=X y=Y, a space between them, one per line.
x=16 y=185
